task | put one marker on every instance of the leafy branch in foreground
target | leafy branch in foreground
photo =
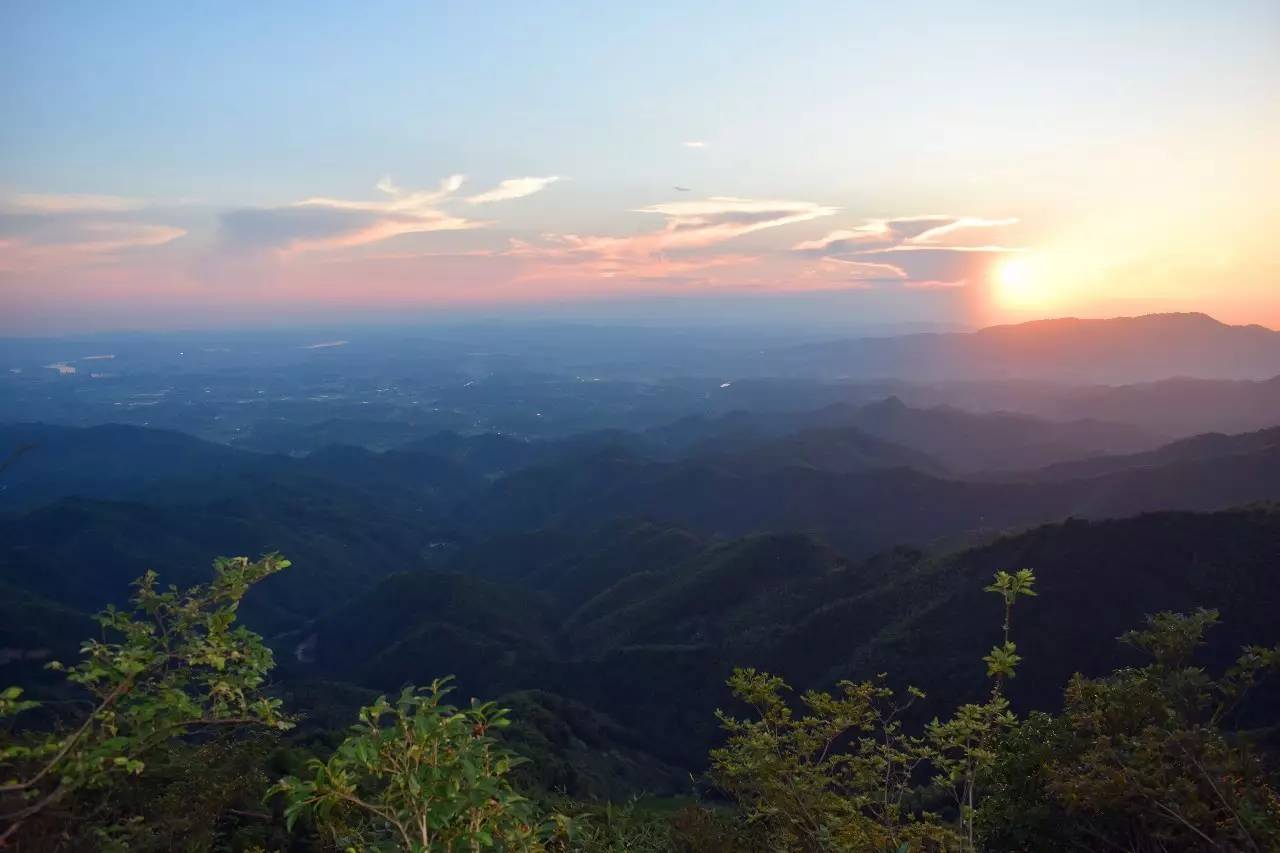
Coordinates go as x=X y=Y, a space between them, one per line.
x=842 y=776
x=175 y=663
x=417 y=775
x=835 y=778
x=1138 y=759
x=965 y=745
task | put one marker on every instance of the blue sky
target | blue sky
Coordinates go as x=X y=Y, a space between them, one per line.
x=1113 y=134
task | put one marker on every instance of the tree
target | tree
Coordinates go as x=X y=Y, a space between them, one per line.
x=837 y=777
x=1139 y=760
x=418 y=775
x=843 y=775
x=965 y=745
x=175 y=664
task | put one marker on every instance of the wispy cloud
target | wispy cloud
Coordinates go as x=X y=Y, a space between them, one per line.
x=72 y=203
x=694 y=143
x=869 y=271
x=914 y=230
x=921 y=251
x=39 y=231
x=329 y=223
x=689 y=226
x=513 y=188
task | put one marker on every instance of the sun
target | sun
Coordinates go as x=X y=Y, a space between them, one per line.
x=1015 y=282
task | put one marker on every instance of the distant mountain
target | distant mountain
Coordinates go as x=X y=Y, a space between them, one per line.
x=83 y=554
x=1173 y=407
x=106 y=461
x=1124 y=349
x=572 y=566
x=733 y=476
x=961 y=441
x=840 y=450
x=967 y=441
x=860 y=511
x=1189 y=451
x=553 y=584
x=118 y=462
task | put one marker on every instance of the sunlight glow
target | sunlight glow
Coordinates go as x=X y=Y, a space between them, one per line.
x=1016 y=285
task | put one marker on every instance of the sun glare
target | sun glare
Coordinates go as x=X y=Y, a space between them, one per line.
x=1016 y=286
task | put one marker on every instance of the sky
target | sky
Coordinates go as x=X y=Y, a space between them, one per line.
x=202 y=164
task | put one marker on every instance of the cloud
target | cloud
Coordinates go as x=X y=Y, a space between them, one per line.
x=940 y=266
x=924 y=251
x=695 y=143
x=690 y=226
x=45 y=231
x=916 y=230
x=328 y=223
x=942 y=228
x=52 y=203
x=867 y=270
x=714 y=220
x=513 y=188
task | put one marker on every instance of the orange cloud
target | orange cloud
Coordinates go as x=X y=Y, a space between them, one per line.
x=913 y=248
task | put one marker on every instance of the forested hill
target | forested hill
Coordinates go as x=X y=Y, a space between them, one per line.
x=622 y=569
x=631 y=615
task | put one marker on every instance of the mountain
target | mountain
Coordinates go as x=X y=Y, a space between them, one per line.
x=106 y=461
x=571 y=566
x=790 y=604
x=967 y=442
x=413 y=509
x=1119 y=350
x=1174 y=407
x=860 y=511
x=627 y=587
x=1188 y=451
x=428 y=624
x=1096 y=579
x=119 y=462
x=959 y=441
x=841 y=450
x=83 y=554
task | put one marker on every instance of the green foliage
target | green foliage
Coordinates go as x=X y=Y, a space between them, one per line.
x=1138 y=760
x=631 y=827
x=197 y=794
x=838 y=777
x=842 y=776
x=173 y=665
x=418 y=775
x=964 y=746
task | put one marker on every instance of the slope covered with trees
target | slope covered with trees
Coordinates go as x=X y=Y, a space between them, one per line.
x=1142 y=758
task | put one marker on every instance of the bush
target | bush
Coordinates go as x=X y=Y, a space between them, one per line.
x=417 y=775
x=172 y=666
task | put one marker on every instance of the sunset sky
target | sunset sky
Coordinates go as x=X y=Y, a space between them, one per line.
x=170 y=165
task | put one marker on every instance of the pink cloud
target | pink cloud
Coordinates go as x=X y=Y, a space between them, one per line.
x=689 y=226
x=60 y=231
x=322 y=223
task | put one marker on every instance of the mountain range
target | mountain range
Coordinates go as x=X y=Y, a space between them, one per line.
x=606 y=581
x=1117 y=350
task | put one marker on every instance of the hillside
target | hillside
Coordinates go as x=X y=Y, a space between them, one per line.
x=792 y=605
x=1118 y=350
x=1200 y=448
x=109 y=461
x=862 y=511
x=83 y=553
